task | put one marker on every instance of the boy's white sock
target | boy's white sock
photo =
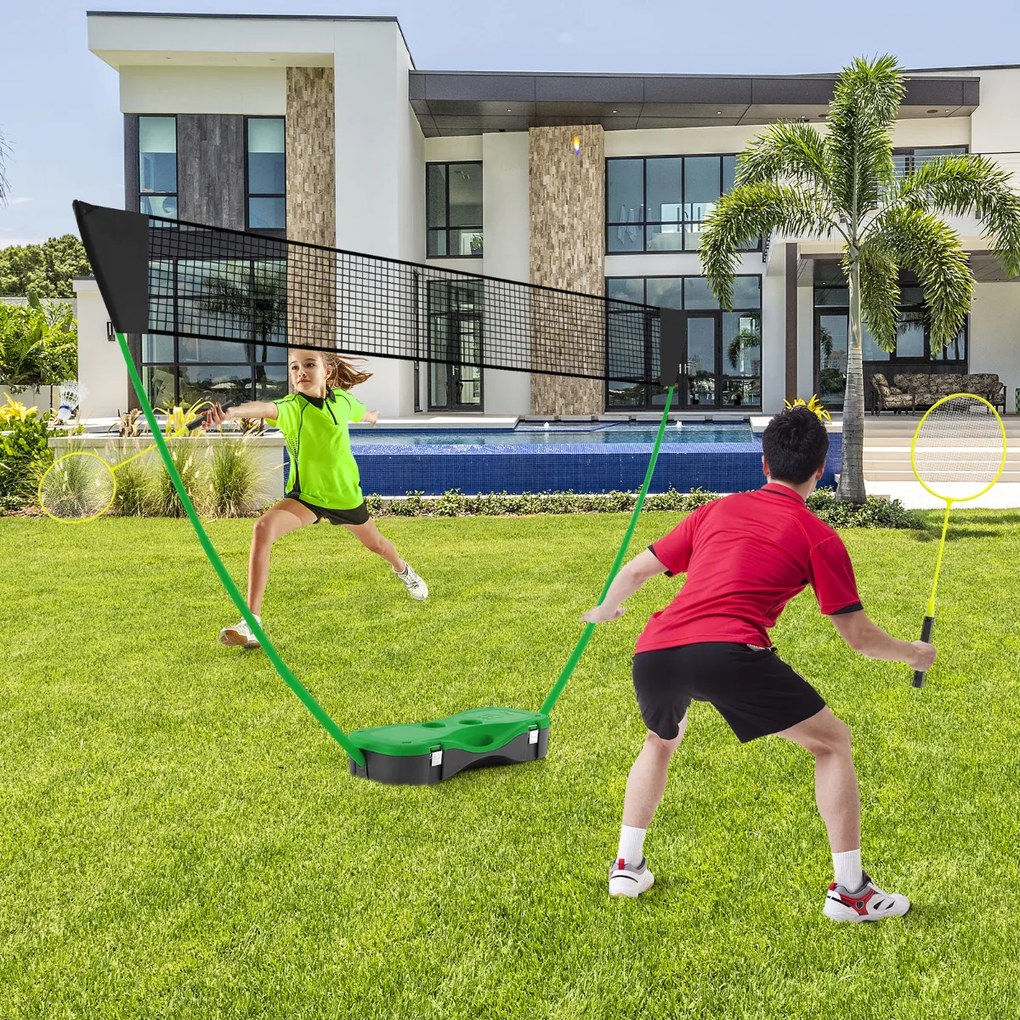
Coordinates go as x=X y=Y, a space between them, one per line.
x=632 y=844
x=848 y=869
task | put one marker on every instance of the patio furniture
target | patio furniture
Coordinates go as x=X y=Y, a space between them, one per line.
x=927 y=388
x=889 y=398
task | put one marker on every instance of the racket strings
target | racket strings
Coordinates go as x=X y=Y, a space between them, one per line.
x=77 y=487
x=959 y=448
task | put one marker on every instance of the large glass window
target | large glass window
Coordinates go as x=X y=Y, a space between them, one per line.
x=267 y=174
x=453 y=209
x=913 y=336
x=722 y=354
x=660 y=203
x=157 y=166
x=240 y=298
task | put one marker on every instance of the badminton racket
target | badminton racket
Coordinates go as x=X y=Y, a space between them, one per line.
x=81 y=486
x=958 y=453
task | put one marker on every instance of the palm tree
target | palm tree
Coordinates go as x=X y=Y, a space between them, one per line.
x=5 y=151
x=791 y=179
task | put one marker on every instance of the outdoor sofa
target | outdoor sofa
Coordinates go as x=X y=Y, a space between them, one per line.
x=917 y=391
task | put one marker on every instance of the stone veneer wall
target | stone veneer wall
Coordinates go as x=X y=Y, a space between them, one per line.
x=311 y=202
x=567 y=250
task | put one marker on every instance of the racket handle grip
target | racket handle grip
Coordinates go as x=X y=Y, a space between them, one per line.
x=192 y=425
x=926 y=628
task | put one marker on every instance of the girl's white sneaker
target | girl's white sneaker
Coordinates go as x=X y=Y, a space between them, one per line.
x=240 y=634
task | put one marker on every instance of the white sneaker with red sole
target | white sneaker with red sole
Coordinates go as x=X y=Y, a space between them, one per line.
x=869 y=903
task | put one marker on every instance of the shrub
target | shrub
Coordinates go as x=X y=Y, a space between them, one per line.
x=24 y=452
x=230 y=478
x=874 y=513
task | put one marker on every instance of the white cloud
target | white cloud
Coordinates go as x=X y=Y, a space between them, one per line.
x=19 y=201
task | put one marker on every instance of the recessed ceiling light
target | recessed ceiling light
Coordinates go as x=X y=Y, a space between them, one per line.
x=508 y=110
x=614 y=111
x=718 y=113
x=933 y=111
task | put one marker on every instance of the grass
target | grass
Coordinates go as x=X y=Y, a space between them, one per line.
x=179 y=838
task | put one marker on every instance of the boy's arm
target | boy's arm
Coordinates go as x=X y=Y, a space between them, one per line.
x=630 y=578
x=866 y=637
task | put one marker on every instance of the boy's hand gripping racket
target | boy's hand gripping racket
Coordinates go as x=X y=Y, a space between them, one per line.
x=80 y=486
x=958 y=454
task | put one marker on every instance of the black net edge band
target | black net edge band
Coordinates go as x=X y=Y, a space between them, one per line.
x=174 y=278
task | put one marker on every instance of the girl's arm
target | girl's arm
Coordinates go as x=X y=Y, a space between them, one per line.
x=250 y=409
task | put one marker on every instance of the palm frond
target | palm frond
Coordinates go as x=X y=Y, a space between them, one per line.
x=858 y=147
x=969 y=183
x=880 y=291
x=921 y=242
x=752 y=211
x=784 y=151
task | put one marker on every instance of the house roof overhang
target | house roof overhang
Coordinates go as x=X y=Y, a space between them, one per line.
x=477 y=102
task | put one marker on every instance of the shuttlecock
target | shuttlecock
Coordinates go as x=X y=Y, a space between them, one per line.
x=72 y=394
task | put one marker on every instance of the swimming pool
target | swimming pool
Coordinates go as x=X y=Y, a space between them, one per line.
x=533 y=435
x=587 y=457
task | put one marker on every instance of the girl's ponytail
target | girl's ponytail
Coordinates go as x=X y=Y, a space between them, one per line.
x=341 y=372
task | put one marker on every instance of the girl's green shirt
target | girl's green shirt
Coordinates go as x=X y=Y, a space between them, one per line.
x=322 y=468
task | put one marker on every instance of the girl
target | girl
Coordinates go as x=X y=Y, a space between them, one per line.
x=323 y=482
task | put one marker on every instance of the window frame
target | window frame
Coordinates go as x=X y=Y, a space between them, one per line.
x=248 y=194
x=446 y=228
x=138 y=163
x=651 y=390
x=684 y=224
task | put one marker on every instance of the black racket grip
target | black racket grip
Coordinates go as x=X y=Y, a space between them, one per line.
x=926 y=627
x=192 y=425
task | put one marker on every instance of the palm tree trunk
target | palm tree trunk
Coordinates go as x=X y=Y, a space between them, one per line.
x=851 y=478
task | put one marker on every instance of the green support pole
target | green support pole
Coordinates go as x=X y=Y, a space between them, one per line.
x=228 y=583
x=589 y=629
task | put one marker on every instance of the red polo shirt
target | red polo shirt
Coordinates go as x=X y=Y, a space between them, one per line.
x=745 y=557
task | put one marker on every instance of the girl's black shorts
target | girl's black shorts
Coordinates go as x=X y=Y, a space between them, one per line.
x=752 y=688
x=356 y=515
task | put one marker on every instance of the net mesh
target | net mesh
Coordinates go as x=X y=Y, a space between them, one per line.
x=77 y=487
x=959 y=448
x=214 y=284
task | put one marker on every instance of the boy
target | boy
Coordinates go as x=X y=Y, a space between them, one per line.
x=745 y=557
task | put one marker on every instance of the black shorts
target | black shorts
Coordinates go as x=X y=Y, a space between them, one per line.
x=752 y=688
x=356 y=515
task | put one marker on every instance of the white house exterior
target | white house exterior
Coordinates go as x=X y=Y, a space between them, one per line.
x=323 y=129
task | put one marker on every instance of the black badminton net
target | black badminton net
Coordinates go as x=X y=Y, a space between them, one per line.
x=210 y=283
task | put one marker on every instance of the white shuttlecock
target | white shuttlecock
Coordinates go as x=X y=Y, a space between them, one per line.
x=72 y=393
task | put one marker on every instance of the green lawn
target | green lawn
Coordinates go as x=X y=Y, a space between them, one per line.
x=179 y=838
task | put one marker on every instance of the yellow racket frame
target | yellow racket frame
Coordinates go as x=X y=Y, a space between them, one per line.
x=112 y=468
x=949 y=500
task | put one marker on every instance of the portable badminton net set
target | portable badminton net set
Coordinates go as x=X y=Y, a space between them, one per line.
x=167 y=277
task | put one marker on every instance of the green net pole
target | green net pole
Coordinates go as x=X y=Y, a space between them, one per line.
x=228 y=583
x=589 y=629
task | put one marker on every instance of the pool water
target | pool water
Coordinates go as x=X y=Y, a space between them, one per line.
x=537 y=435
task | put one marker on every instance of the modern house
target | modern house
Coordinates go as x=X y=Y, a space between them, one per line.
x=323 y=130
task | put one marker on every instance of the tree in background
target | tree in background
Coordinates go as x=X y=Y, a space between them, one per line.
x=794 y=180
x=44 y=269
x=38 y=345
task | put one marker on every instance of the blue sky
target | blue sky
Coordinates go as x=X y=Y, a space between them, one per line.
x=59 y=103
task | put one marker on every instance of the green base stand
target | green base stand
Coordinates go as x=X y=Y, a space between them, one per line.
x=420 y=754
